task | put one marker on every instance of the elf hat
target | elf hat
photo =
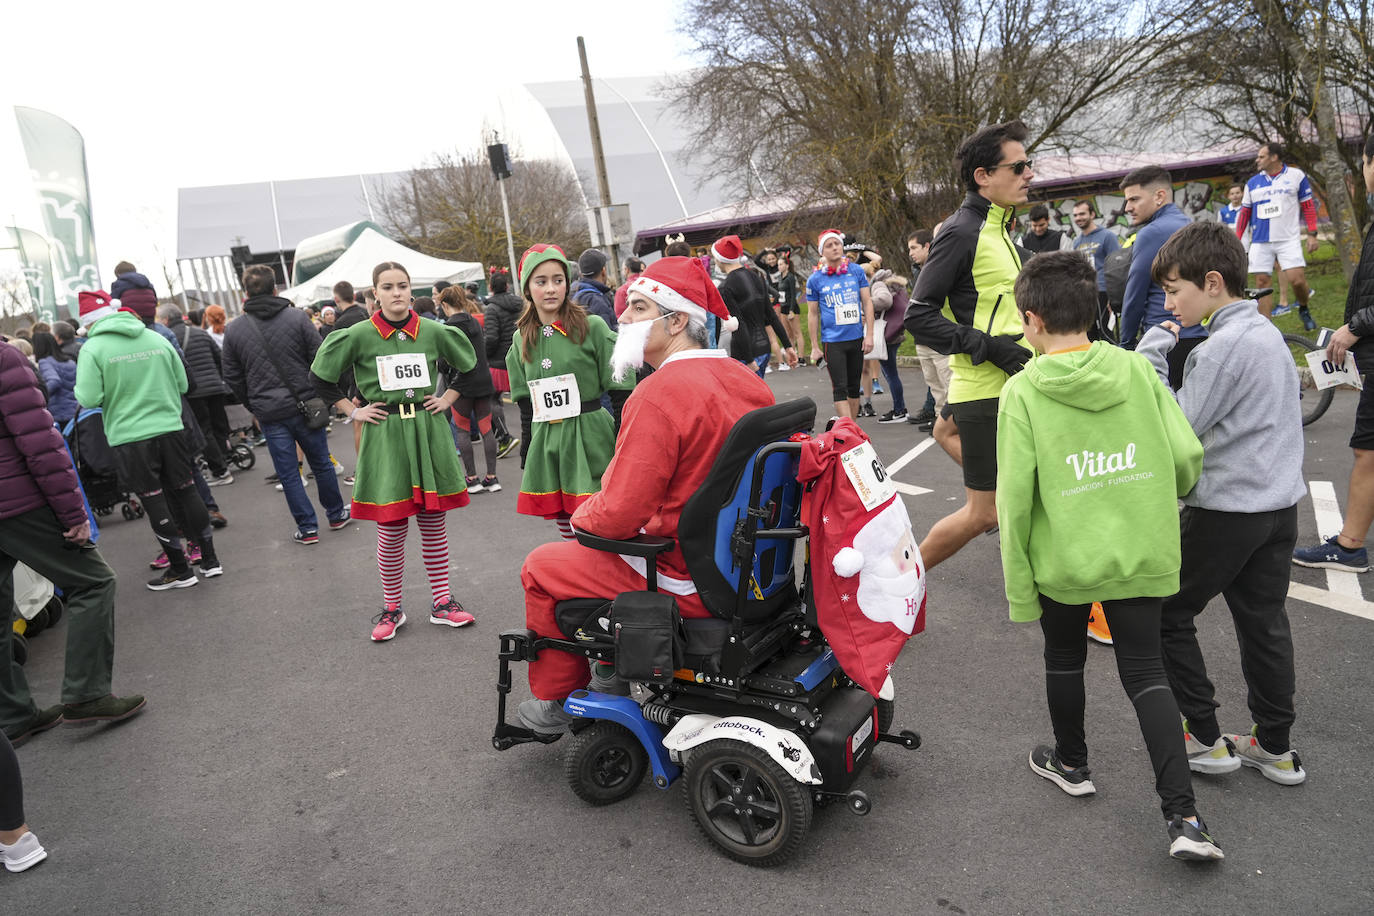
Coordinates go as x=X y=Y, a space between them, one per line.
x=95 y=305
x=538 y=254
x=727 y=250
x=682 y=285
x=828 y=234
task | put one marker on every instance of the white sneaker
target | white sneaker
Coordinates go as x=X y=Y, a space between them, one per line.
x=305 y=481
x=24 y=854
x=1284 y=769
x=1202 y=758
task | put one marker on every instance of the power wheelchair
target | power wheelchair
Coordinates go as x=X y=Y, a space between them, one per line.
x=758 y=718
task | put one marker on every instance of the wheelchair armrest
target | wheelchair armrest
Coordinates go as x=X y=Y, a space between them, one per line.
x=643 y=545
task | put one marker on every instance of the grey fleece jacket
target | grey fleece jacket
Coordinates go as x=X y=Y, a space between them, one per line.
x=1239 y=394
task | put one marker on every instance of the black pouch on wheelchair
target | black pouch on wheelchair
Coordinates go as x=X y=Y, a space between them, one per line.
x=648 y=635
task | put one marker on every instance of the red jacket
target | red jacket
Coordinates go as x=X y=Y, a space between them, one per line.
x=35 y=467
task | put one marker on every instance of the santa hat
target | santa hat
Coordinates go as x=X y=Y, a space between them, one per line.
x=538 y=254
x=728 y=250
x=95 y=306
x=828 y=234
x=683 y=285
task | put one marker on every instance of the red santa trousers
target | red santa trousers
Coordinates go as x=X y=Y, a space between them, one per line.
x=561 y=571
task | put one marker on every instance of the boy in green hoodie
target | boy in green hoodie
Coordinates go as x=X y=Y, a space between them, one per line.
x=1093 y=453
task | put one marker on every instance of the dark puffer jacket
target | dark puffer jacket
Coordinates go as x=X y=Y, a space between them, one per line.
x=136 y=293
x=248 y=370
x=476 y=382
x=502 y=311
x=1359 y=305
x=203 y=364
x=35 y=469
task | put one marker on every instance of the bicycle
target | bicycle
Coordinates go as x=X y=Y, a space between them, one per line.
x=1314 y=400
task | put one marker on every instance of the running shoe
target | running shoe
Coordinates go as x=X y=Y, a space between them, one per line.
x=344 y=522
x=893 y=416
x=220 y=480
x=1284 y=769
x=506 y=446
x=306 y=537
x=211 y=568
x=474 y=484
x=24 y=854
x=172 y=579
x=1281 y=309
x=160 y=561
x=1331 y=554
x=1308 y=322
x=350 y=480
x=271 y=478
x=1191 y=841
x=305 y=482
x=547 y=717
x=491 y=484
x=387 y=622
x=192 y=552
x=1044 y=761
x=1097 y=626
x=783 y=367
x=450 y=613
x=1211 y=759
x=877 y=388
x=866 y=410
x=258 y=441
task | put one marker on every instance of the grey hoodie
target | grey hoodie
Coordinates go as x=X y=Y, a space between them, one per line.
x=1240 y=395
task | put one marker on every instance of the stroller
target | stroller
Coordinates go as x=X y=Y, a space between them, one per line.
x=95 y=465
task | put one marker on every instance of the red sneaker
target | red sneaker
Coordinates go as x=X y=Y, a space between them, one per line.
x=387 y=623
x=450 y=613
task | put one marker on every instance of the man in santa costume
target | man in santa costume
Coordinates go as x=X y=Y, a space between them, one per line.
x=673 y=425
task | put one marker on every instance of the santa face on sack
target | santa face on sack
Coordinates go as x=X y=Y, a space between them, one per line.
x=891 y=575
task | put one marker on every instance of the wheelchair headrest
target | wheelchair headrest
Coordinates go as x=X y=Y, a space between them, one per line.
x=702 y=529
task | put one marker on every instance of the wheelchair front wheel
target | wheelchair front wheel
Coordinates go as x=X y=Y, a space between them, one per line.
x=745 y=803
x=605 y=763
x=242 y=457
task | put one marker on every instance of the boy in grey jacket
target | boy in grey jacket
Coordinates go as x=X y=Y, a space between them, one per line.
x=1239 y=524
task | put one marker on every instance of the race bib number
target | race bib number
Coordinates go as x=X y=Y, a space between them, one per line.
x=555 y=398
x=845 y=312
x=1327 y=374
x=1269 y=209
x=868 y=476
x=400 y=371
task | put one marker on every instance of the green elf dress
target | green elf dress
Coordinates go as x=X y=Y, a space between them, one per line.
x=406 y=463
x=572 y=438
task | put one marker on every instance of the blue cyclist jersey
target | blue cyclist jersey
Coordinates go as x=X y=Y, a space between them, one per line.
x=1275 y=204
x=837 y=298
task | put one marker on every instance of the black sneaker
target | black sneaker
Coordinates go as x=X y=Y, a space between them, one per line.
x=108 y=708
x=340 y=523
x=491 y=484
x=866 y=410
x=1192 y=843
x=271 y=478
x=40 y=721
x=893 y=416
x=922 y=416
x=172 y=579
x=306 y=537
x=1045 y=762
x=210 y=566
x=506 y=446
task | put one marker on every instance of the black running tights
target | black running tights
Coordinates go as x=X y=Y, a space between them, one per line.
x=1135 y=639
x=11 y=786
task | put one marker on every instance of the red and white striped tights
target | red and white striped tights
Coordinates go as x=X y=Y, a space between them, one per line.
x=391 y=555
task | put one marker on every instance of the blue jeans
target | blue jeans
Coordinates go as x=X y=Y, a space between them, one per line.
x=894 y=381
x=282 y=438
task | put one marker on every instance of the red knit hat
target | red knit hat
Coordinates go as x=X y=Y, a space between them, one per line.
x=829 y=234
x=95 y=305
x=683 y=285
x=728 y=250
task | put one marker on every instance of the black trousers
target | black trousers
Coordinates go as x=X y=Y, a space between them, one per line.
x=1134 y=623
x=214 y=423
x=1243 y=556
x=11 y=787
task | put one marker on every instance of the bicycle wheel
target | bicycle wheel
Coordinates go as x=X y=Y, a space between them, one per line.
x=1314 y=400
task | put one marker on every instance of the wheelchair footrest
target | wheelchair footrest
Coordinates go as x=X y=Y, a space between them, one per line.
x=508 y=736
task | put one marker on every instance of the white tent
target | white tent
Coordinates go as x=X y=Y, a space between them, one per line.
x=370 y=249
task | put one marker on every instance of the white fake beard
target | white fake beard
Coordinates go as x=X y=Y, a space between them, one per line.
x=629 y=347
x=890 y=599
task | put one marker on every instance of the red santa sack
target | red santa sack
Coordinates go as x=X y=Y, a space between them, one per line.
x=867 y=576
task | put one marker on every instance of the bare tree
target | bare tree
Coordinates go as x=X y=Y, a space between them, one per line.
x=1293 y=72
x=867 y=103
x=451 y=207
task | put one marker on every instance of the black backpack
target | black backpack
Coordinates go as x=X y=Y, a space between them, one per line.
x=1115 y=269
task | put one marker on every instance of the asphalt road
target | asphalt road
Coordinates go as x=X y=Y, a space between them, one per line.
x=286 y=764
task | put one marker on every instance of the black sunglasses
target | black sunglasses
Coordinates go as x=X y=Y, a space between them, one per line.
x=1017 y=167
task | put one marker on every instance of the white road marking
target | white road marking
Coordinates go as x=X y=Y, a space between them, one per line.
x=909 y=457
x=1328 y=512
x=1333 y=600
x=910 y=489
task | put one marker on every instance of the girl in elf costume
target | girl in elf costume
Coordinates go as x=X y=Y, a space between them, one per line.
x=406 y=461
x=560 y=365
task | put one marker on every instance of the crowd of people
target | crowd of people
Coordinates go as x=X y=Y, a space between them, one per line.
x=1073 y=449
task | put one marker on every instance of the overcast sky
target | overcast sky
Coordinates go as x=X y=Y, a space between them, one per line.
x=173 y=95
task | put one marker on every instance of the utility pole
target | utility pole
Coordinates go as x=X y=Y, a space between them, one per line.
x=599 y=156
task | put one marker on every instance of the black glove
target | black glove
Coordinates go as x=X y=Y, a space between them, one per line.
x=526 y=427
x=1006 y=354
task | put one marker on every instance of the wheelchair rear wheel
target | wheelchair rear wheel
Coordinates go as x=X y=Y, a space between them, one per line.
x=745 y=803
x=605 y=763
